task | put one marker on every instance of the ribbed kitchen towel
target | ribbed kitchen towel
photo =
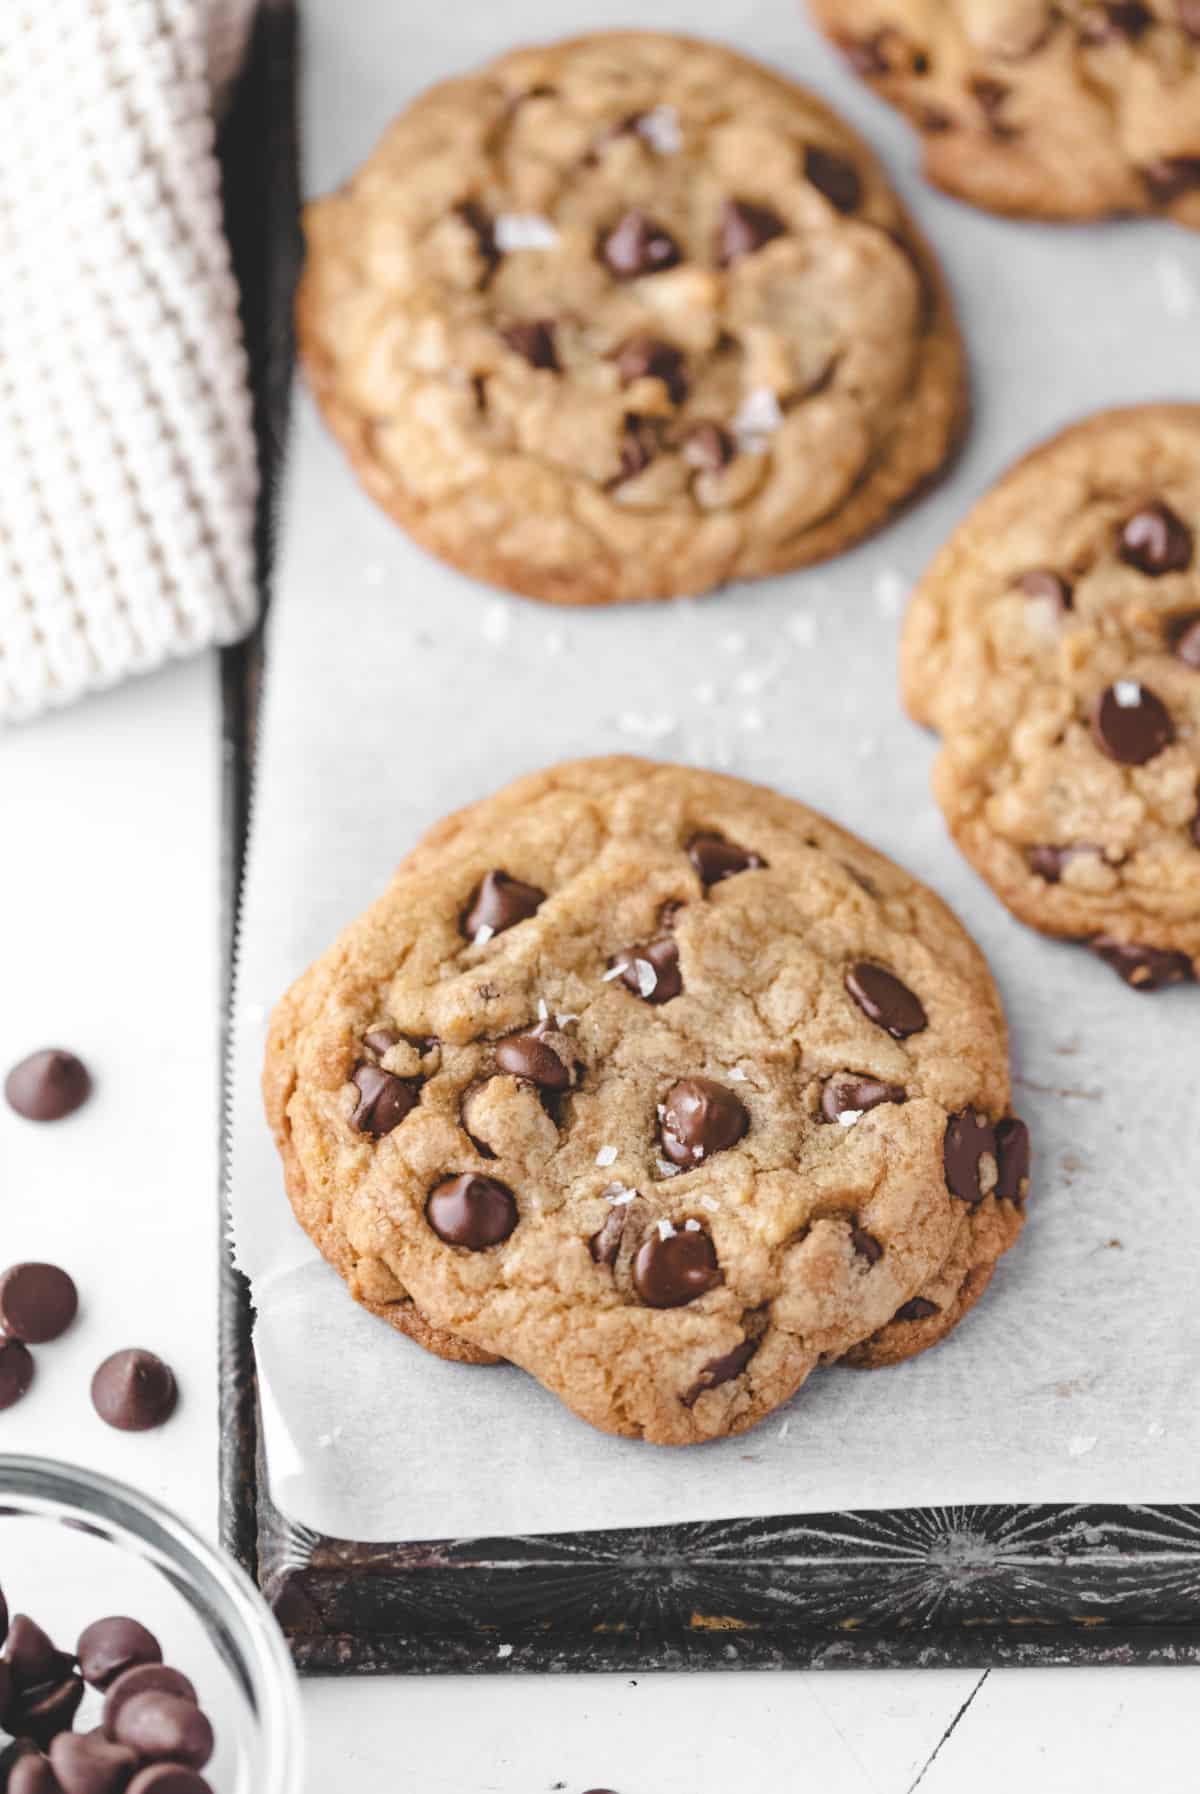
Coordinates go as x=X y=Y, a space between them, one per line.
x=127 y=461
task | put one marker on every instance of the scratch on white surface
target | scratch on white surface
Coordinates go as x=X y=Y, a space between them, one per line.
x=947 y=1734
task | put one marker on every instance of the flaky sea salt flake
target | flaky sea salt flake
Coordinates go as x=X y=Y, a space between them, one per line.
x=543 y=1010
x=692 y=1227
x=505 y=1650
x=523 y=230
x=1128 y=693
x=757 y=417
x=612 y=972
x=710 y=1203
x=647 y=977
x=848 y=1117
x=607 y=1155
x=737 y=1075
x=483 y=934
x=665 y=1229
x=660 y=128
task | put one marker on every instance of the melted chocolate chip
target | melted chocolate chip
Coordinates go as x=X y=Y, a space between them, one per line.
x=651 y=972
x=1145 y=968
x=1130 y=723
x=721 y=1370
x=88 y=1764
x=163 y=1727
x=637 y=245
x=471 y=1211
x=134 y=1391
x=534 y=342
x=1183 y=633
x=646 y=357
x=885 y=1001
x=48 y=1085
x=1049 y=861
x=107 y=1648
x=919 y=1309
x=384 y=1101
x=1156 y=541
x=866 y=1245
x=701 y=1117
x=37 y=1303
x=708 y=447
x=606 y=1243
x=970 y=1138
x=500 y=902
x=668 y=1273
x=743 y=229
x=1043 y=582
x=16 y=1372
x=715 y=858
x=641 y=439
x=1170 y=177
x=848 y=1094
x=530 y=1057
x=1012 y=1160
x=834 y=177
x=479 y=222
x=143 y=1679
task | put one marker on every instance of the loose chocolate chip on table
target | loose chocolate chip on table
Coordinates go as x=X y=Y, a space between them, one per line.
x=48 y=1085
x=919 y=1309
x=1130 y=723
x=701 y=1117
x=651 y=972
x=667 y=1273
x=89 y=1764
x=743 y=229
x=134 y=1391
x=38 y=1302
x=145 y=1678
x=500 y=902
x=529 y=1057
x=970 y=1138
x=833 y=176
x=108 y=1647
x=168 y=1778
x=1042 y=582
x=715 y=858
x=1012 y=1159
x=16 y=1371
x=165 y=1728
x=534 y=341
x=866 y=1245
x=31 y=1774
x=641 y=439
x=646 y=357
x=472 y=1211
x=1156 y=541
x=638 y=245
x=1170 y=177
x=708 y=447
x=383 y=1101
x=1183 y=633
x=884 y=1000
x=1145 y=968
x=850 y=1095
x=721 y=1370
x=606 y=1242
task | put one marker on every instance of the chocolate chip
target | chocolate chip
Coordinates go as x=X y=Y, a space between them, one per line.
x=16 y=1371
x=134 y=1391
x=31 y=1772
x=743 y=229
x=381 y=1041
x=43 y=1712
x=32 y=1656
x=990 y=96
x=1116 y=18
x=472 y=1211
x=970 y=1138
x=1130 y=723
x=708 y=447
x=919 y=1309
x=480 y=223
x=715 y=858
x=667 y=1273
x=530 y=1057
x=146 y=1678
x=641 y=439
x=606 y=1242
x=1183 y=633
x=1170 y=177
x=89 y=1764
x=165 y=1728
x=1156 y=541
x=832 y=176
x=721 y=1370
x=48 y=1085
x=651 y=972
x=884 y=1000
x=1188 y=14
x=168 y=1778
x=1048 y=861
x=1012 y=1159
x=848 y=1094
x=638 y=245
x=37 y=1303
x=107 y=1648
x=1043 y=582
x=3 y=1631
x=932 y=120
x=533 y=340
x=646 y=357
x=1145 y=968
x=866 y=1245
x=866 y=55
x=500 y=902
x=383 y=1101
x=701 y=1117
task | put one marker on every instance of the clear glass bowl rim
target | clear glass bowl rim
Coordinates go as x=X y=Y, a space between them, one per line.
x=66 y=1492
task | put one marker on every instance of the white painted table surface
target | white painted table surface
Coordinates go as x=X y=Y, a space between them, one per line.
x=109 y=818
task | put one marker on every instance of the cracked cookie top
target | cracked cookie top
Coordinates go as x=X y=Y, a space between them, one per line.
x=657 y=1084
x=625 y=317
x=1048 y=108
x=1055 y=646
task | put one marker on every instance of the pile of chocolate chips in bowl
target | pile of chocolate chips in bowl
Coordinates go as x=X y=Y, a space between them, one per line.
x=148 y=1736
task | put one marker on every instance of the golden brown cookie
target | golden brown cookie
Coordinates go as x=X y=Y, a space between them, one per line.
x=626 y=317
x=1044 y=108
x=1055 y=646
x=657 y=1084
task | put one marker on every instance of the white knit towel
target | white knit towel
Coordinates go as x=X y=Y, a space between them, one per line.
x=127 y=461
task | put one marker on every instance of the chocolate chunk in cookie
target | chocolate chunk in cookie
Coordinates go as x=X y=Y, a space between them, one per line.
x=673 y=1268
x=470 y=1211
x=500 y=902
x=885 y=1000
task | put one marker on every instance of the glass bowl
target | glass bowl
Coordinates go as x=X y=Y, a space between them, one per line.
x=75 y=1547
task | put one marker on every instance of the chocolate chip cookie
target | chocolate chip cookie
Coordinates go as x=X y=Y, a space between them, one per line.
x=626 y=317
x=659 y=1085
x=1045 y=108
x=1055 y=646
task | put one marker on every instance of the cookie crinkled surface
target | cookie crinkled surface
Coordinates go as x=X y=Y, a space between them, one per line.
x=659 y=1085
x=626 y=317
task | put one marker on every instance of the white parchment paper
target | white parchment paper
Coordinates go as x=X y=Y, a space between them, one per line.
x=397 y=690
